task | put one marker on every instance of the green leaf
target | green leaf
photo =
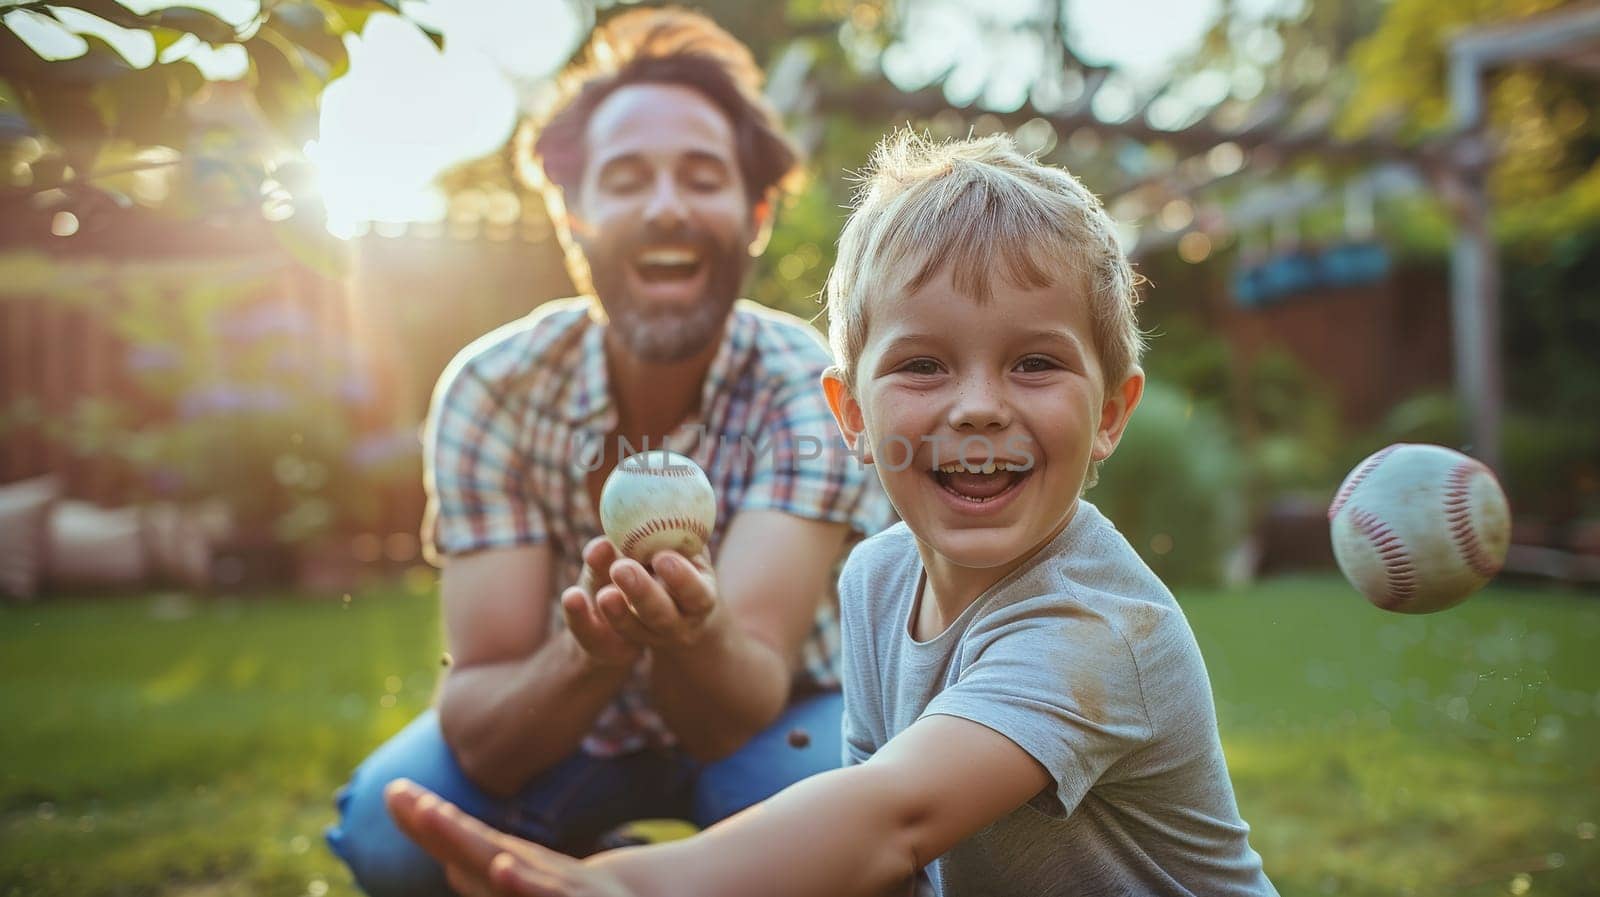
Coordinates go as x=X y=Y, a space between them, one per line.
x=351 y=17
x=285 y=88
x=204 y=25
x=201 y=24
x=18 y=62
x=316 y=32
x=360 y=7
x=166 y=37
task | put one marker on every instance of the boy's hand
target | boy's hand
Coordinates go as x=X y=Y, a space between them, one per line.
x=482 y=862
x=589 y=625
x=669 y=610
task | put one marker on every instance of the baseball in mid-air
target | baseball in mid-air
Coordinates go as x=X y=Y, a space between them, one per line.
x=1417 y=528
x=657 y=500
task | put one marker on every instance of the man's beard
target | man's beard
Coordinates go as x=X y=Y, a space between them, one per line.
x=661 y=334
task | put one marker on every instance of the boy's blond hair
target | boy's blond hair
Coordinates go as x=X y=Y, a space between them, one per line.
x=982 y=209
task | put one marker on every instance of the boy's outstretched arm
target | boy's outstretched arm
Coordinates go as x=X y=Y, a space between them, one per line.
x=863 y=830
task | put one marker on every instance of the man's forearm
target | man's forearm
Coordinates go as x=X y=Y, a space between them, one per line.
x=507 y=722
x=719 y=693
x=845 y=832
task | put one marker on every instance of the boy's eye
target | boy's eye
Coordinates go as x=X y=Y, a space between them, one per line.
x=920 y=366
x=1036 y=363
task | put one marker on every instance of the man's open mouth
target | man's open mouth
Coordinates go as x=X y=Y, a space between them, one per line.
x=981 y=481
x=667 y=264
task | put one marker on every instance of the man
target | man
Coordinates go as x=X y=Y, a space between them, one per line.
x=587 y=689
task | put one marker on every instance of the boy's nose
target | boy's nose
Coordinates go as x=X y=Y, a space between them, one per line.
x=979 y=405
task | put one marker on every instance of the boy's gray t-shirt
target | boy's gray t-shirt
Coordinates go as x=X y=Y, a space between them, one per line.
x=1084 y=660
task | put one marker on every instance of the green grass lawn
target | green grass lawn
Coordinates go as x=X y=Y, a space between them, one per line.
x=168 y=746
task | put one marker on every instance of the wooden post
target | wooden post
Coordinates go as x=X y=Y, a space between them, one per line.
x=1474 y=260
x=1475 y=313
x=1474 y=266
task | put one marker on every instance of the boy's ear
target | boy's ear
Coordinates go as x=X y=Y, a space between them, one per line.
x=1115 y=413
x=846 y=413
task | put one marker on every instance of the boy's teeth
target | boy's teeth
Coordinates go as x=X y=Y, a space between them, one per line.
x=986 y=467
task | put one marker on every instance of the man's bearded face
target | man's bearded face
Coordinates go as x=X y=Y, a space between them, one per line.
x=663 y=219
x=666 y=290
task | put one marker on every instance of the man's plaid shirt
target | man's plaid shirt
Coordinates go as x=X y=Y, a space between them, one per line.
x=517 y=419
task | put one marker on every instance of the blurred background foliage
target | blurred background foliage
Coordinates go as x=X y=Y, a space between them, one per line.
x=237 y=398
x=1177 y=453
x=91 y=122
x=207 y=123
x=187 y=312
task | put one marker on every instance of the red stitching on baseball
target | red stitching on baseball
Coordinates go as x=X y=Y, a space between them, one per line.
x=1400 y=577
x=658 y=524
x=660 y=468
x=1355 y=479
x=1458 y=511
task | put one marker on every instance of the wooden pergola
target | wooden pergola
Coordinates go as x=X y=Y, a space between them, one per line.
x=1283 y=128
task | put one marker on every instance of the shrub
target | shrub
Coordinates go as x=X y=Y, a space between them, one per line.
x=1175 y=487
x=1550 y=465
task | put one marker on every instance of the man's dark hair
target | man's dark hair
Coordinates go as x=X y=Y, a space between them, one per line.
x=662 y=46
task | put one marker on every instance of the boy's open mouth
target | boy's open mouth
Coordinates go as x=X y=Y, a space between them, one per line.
x=977 y=481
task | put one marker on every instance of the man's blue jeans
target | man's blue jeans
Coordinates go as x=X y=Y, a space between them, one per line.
x=575 y=801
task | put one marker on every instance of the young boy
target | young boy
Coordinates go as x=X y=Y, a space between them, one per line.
x=1026 y=710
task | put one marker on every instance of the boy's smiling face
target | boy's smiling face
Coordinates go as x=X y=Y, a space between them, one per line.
x=1018 y=378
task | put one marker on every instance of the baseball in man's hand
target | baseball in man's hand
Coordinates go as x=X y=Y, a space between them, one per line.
x=655 y=501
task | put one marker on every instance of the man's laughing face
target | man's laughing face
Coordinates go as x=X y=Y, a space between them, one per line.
x=663 y=218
